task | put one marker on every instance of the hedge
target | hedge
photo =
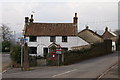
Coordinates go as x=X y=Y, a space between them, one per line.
x=97 y=49
x=15 y=55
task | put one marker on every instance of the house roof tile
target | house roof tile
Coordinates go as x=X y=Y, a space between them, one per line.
x=50 y=29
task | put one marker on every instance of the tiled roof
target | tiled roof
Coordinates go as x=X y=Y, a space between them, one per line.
x=90 y=36
x=50 y=29
x=110 y=35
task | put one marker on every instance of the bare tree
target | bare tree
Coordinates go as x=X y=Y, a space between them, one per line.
x=5 y=33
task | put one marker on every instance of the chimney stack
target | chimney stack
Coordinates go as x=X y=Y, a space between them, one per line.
x=75 y=22
x=87 y=27
x=31 y=20
x=26 y=19
x=75 y=19
x=106 y=29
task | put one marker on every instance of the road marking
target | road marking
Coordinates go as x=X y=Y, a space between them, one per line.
x=4 y=71
x=64 y=73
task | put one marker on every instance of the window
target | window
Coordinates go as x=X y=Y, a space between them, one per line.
x=45 y=52
x=52 y=38
x=33 y=38
x=32 y=50
x=64 y=38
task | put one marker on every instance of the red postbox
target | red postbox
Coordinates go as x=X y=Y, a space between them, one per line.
x=53 y=55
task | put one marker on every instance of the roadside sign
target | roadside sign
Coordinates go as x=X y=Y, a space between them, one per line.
x=23 y=40
x=58 y=52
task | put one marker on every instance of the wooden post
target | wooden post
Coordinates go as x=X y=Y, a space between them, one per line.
x=26 y=58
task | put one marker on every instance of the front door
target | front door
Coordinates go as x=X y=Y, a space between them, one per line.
x=45 y=52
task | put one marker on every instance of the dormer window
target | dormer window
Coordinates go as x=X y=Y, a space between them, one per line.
x=33 y=38
x=64 y=38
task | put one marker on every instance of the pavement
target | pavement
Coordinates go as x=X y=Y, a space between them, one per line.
x=91 y=68
x=111 y=73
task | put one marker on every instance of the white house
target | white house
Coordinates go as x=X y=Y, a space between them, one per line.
x=41 y=35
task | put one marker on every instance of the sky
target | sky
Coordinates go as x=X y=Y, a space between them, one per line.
x=96 y=14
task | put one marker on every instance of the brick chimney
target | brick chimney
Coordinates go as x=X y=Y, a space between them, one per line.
x=31 y=19
x=26 y=19
x=26 y=24
x=106 y=29
x=87 y=27
x=75 y=19
x=75 y=22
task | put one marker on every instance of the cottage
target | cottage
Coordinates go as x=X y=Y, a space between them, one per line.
x=41 y=35
x=112 y=36
x=90 y=36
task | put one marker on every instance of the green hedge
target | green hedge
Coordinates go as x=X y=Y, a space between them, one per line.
x=97 y=49
x=6 y=46
x=15 y=53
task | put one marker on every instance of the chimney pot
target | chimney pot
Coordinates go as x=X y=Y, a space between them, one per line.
x=31 y=20
x=106 y=29
x=87 y=27
x=75 y=14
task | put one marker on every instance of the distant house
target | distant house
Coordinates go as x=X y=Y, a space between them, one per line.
x=112 y=36
x=41 y=35
x=90 y=36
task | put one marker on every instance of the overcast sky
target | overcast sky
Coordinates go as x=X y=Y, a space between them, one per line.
x=97 y=15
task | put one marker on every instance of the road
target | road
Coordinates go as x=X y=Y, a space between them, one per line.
x=5 y=60
x=91 y=68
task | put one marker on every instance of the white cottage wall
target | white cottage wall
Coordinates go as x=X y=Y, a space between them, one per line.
x=44 y=41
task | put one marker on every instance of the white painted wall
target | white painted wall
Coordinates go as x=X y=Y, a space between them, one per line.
x=113 y=46
x=44 y=41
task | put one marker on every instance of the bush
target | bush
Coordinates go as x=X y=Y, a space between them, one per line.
x=97 y=49
x=6 y=46
x=32 y=61
x=15 y=54
x=76 y=56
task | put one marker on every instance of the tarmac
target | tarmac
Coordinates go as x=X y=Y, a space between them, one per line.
x=112 y=73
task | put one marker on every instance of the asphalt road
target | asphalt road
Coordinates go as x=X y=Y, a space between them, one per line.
x=5 y=60
x=91 y=68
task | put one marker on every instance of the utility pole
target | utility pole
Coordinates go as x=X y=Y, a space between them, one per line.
x=21 y=57
x=22 y=44
x=14 y=35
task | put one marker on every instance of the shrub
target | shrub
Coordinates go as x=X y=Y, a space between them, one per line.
x=15 y=53
x=6 y=46
x=32 y=61
x=97 y=49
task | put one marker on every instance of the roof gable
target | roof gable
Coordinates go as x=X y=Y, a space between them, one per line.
x=108 y=35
